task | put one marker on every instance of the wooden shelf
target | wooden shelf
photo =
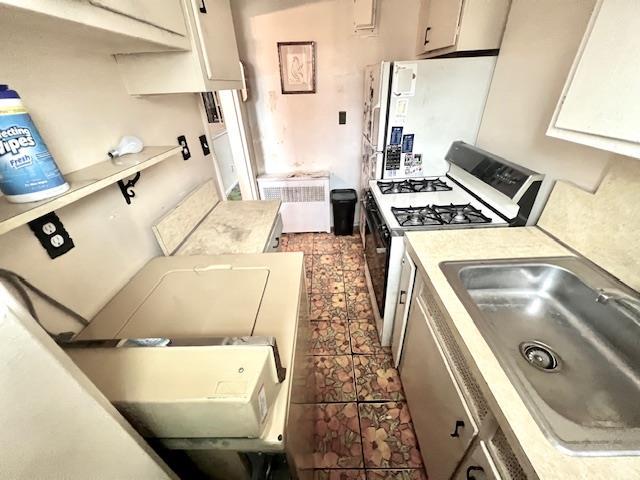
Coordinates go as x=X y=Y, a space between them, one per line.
x=82 y=183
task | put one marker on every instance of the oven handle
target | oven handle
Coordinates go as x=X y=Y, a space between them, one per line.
x=378 y=228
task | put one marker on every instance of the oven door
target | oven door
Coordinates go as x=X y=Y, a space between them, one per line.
x=376 y=250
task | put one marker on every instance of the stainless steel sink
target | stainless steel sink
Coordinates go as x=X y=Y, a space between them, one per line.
x=568 y=336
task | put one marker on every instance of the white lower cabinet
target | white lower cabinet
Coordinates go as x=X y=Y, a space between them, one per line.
x=442 y=420
x=478 y=465
x=273 y=244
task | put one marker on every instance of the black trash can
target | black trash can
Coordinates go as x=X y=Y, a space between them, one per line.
x=343 y=201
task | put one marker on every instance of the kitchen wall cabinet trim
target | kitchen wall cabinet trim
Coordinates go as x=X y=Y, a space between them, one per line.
x=211 y=64
x=600 y=102
x=447 y=26
x=82 y=183
x=99 y=28
x=164 y=14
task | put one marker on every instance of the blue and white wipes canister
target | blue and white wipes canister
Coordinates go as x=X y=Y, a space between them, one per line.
x=28 y=172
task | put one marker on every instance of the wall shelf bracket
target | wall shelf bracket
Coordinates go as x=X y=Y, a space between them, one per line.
x=127 y=188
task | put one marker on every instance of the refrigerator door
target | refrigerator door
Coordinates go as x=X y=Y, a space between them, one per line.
x=376 y=101
x=433 y=103
x=371 y=165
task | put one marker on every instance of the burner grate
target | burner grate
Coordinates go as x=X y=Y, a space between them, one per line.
x=414 y=186
x=438 y=215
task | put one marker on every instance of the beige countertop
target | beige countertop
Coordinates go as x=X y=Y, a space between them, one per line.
x=233 y=227
x=429 y=249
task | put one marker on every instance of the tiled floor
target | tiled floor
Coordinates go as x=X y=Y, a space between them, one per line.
x=363 y=428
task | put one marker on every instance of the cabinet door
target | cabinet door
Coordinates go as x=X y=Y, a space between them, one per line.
x=478 y=466
x=407 y=278
x=602 y=98
x=440 y=416
x=442 y=25
x=165 y=14
x=273 y=244
x=217 y=38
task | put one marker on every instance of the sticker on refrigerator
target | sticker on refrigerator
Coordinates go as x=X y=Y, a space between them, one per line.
x=396 y=136
x=413 y=164
x=407 y=143
x=402 y=105
x=393 y=157
x=404 y=79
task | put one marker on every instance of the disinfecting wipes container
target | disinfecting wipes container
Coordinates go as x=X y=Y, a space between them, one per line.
x=27 y=170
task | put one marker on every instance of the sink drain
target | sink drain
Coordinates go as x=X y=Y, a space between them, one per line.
x=540 y=356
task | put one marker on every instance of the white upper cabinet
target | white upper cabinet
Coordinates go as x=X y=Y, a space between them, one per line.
x=211 y=64
x=164 y=14
x=447 y=26
x=600 y=103
x=111 y=26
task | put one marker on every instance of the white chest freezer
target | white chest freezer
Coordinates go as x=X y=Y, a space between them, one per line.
x=175 y=350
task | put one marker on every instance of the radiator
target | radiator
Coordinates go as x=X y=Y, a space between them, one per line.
x=305 y=200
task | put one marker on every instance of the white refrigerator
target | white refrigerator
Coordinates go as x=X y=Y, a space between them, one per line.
x=414 y=110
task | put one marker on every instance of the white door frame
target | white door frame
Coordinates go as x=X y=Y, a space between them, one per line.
x=239 y=138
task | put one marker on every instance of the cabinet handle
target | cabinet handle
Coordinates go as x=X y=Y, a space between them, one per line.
x=470 y=470
x=426 y=34
x=459 y=424
x=403 y=298
x=203 y=7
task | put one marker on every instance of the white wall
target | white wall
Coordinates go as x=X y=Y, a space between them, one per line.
x=81 y=108
x=301 y=131
x=54 y=423
x=538 y=48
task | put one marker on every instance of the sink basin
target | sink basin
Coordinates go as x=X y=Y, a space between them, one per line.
x=573 y=356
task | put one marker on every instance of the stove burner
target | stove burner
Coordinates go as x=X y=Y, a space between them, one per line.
x=456 y=214
x=413 y=186
x=438 y=215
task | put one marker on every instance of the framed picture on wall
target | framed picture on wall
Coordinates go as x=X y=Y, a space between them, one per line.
x=297 y=67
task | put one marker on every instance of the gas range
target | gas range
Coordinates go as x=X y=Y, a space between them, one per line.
x=480 y=190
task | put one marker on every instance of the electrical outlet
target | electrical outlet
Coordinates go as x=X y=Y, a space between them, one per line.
x=48 y=228
x=205 y=145
x=51 y=234
x=186 y=153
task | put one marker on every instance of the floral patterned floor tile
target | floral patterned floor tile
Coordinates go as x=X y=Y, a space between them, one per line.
x=337 y=440
x=376 y=378
x=405 y=474
x=388 y=438
x=325 y=237
x=340 y=474
x=364 y=339
x=352 y=260
x=330 y=259
x=326 y=247
x=329 y=338
x=355 y=281
x=327 y=307
x=327 y=279
x=334 y=380
x=359 y=306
